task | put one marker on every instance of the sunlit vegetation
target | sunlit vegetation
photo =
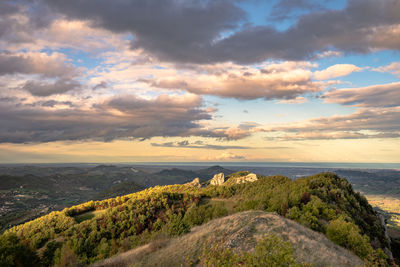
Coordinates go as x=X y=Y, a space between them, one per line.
x=99 y=229
x=389 y=206
x=271 y=251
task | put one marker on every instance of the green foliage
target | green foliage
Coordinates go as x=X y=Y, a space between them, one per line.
x=14 y=253
x=324 y=202
x=49 y=252
x=348 y=235
x=176 y=225
x=66 y=258
x=271 y=251
x=197 y=215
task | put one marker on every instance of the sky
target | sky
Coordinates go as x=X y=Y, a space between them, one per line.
x=198 y=80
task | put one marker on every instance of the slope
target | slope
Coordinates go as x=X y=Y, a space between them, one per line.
x=239 y=232
x=324 y=203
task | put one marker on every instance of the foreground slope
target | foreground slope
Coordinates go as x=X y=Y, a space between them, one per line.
x=239 y=232
x=97 y=230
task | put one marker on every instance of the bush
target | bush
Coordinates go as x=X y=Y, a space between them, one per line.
x=14 y=253
x=176 y=225
x=197 y=215
x=271 y=251
x=348 y=235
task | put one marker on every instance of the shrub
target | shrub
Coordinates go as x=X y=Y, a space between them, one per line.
x=176 y=225
x=14 y=253
x=348 y=235
x=271 y=251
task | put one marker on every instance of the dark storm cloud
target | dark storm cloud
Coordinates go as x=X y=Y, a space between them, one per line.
x=120 y=117
x=191 y=31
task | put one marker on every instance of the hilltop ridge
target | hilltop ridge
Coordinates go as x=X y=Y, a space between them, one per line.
x=241 y=232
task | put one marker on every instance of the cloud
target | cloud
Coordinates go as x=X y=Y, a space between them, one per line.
x=297 y=100
x=336 y=71
x=229 y=156
x=335 y=135
x=53 y=65
x=382 y=95
x=327 y=54
x=377 y=116
x=161 y=28
x=363 y=123
x=195 y=31
x=31 y=25
x=198 y=144
x=46 y=89
x=289 y=9
x=226 y=156
x=7 y=8
x=100 y=85
x=393 y=68
x=248 y=125
x=116 y=118
x=284 y=80
x=119 y=117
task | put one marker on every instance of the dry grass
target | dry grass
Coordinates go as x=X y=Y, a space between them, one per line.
x=239 y=231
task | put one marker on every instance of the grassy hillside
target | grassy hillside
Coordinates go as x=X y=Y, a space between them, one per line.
x=29 y=192
x=243 y=231
x=325 y=203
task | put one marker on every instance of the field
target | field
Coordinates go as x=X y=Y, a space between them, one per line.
x=390 y=206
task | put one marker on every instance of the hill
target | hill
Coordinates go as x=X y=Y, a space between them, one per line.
x=96 y=230
x=27 y=192
x=241 y=233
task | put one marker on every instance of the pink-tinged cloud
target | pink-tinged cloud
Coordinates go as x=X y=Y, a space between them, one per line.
x=381 y=95
x=363 y=123
x=393 y=68
x=119 y=117
x=335 y=71
x=47 y=65
x=286 y=80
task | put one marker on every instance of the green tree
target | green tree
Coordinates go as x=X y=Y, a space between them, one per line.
x=14 y=253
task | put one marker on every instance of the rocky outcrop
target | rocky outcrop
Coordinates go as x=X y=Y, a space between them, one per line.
x=387 y=250
x=194 y=183
x=251 y=177
x=218 y=179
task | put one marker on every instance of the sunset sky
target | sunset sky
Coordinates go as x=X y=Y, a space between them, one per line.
x=197 y=80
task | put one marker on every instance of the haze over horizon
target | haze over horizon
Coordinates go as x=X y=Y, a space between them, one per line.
x=187 y=81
